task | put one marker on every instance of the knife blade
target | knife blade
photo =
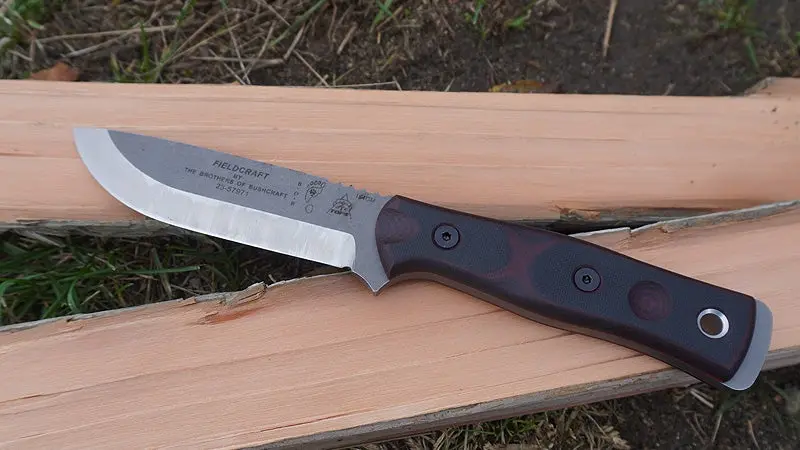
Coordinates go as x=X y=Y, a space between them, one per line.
x=717 y=335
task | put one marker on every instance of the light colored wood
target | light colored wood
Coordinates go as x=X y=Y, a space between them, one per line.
x=322 y=361
x=511 y=156
x=781 y=88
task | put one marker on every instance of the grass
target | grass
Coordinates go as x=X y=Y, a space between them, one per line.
x=733 y=14
x=737 y=16
x=148 y=68
x=20 y=19
x=45 y=277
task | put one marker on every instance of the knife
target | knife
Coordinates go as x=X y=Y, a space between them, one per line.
x=716 y=335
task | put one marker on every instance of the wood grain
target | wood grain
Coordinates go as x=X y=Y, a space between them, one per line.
x=322 y=362
x=537 y=156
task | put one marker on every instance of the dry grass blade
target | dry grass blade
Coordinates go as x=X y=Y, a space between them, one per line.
x=179 y=51
x=235 y=43
x=367 y=85
x=231 y=71
x=274 y=11
x=717 y=423
x=311 y=68
x=61 y=37
x=701 y=397
x=296 y=39
x=87 y=50
x=262 y=50
x=346 y=39
x=752 y=434
x=609 y=26
x=182 y=53
x=298 y=22
x=253 y=61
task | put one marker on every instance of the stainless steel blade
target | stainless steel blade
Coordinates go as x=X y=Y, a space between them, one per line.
x=238 y=199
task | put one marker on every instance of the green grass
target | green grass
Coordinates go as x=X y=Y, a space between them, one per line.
x=736 y=16
x=46 y=277
x=383 y=14
x=148 y=68
x=473 y=15
x=733 y=14
x=496 y=18
x=20 y=19
x=520 y=19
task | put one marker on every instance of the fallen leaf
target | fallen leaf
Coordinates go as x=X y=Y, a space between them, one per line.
x=520 y=86
x=59 y=72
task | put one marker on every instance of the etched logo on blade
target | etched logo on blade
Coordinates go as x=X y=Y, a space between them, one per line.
x=314 y=189
x=366 y=196
x=341 y=206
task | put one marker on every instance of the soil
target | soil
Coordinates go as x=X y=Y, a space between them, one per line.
x=674 y=47
x=656 y=48
x=760 y=419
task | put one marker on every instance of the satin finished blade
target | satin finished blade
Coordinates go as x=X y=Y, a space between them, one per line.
x=238 y=199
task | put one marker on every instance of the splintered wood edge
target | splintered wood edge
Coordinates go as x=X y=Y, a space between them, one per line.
x=526 y=404
x=720 y=218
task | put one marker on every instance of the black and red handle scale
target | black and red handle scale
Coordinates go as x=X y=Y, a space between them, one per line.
x=717 y=335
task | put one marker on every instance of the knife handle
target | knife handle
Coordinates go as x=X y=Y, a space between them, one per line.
x=714 y=334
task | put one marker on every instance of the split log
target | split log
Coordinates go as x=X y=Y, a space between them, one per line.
x=605 y=159
x=321 y=362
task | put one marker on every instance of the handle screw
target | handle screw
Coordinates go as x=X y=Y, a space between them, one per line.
x=446 y=236
x=586 y=279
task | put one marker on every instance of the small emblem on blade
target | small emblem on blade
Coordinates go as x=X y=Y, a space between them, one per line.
x=314 y=189
x=341 y=206
x=366 y=196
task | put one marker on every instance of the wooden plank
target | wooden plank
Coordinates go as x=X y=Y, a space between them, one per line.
x=322 y=361
x=511 y=156
x=781 y=88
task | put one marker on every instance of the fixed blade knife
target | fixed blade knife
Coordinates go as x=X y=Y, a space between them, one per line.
x=717 y=335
